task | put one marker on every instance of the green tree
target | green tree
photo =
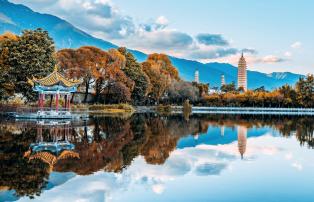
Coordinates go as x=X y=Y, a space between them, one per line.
x=182 y=90
x=134 y=71
x=289 y=95
x=305 y=91
x=31 y=55
x=228 y=87
x=6 y=80
x=260 y=89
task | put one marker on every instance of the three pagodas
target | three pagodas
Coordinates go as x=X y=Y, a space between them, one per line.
x=242 y=75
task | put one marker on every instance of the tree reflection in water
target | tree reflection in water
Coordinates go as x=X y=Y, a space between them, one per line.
x=111 y=144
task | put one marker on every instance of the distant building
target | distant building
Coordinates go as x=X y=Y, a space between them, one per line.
x=242 y=74
x=214 y=90
x=223 y=82
x=197 y=76
x=242 y=136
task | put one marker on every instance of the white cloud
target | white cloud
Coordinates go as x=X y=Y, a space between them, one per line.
x=288 y=54
x=162 y=20
x=102 y=19
x=158 y=188
x=296 y=45
x=271 y=59
x=250 y=58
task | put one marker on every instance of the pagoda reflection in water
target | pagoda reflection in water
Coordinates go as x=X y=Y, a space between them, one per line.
x=57 y=148
x=242 y=139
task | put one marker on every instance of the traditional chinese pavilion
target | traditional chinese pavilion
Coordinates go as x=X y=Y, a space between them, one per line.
x=57 y=86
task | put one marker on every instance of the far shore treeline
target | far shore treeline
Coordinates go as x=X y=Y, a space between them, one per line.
x=114 y=76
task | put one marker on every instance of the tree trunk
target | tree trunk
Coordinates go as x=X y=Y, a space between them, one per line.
x=86 y=90
x=98 y=89
x=72 y=98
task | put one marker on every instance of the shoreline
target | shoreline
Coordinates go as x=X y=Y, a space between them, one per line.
x=195 y=110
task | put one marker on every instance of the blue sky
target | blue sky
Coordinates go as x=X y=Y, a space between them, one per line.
x=278 y=35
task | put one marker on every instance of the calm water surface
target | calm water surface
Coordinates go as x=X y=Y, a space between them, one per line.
x=159 y=158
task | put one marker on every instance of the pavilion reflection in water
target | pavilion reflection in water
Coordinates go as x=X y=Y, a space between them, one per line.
x=59 y=147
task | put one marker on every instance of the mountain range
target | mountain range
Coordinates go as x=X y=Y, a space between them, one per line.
x=16 y=17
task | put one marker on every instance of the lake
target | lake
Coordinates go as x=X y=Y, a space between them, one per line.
x=149 y=157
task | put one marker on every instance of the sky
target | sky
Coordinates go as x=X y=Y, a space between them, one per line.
x=275 y=36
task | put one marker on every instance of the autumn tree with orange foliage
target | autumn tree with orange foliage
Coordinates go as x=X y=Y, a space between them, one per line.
x=95 y=66
x=6 y=82
x=161 y=73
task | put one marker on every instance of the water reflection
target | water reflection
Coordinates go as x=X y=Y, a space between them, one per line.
x=32 y=151
x=242 y=133
x=56 y=147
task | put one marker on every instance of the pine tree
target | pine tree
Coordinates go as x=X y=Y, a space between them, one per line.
x=133 y=70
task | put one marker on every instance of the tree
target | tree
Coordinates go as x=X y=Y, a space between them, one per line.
x=305 y=91
x=260 y=89
x=117 y=92
x=134 y=71
x=159 y=81
x=161 y=73
x=8 y=36
x=92 y=60
x=228 y=87
x=202 y=88
x=182 y=90
x=29 y=55
x=289 y=95
x=95 y=66
x=163 y=62
x=6 y=80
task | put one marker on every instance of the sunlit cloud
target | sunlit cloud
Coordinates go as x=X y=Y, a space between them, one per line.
x=271 y=59
x=296 y=45
x=251 y=59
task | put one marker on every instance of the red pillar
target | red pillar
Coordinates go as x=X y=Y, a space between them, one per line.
x=65 y=102
x=69 y=102
x=57 y=102
x=39 y=100
x=42 y=100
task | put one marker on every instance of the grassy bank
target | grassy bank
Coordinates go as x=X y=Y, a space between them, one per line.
x=104 y=109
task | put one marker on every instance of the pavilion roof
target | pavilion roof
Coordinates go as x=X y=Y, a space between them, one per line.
x=55 y=78
x=49 y=158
